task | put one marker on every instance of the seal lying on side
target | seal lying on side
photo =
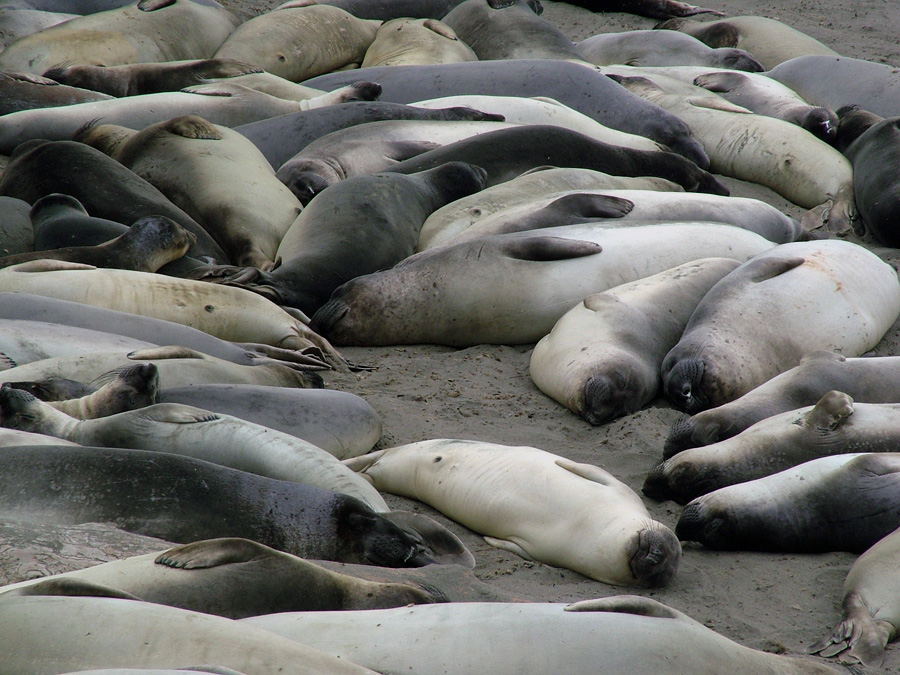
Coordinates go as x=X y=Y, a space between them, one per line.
x=837 y=503
x=405 y=42
x=193 y=432
x=762 y=318
x=870 y=613
x=534 y=504
x=602 y=358
x=236 y=578
x=27 y=91
x=835 y=425
x=866 y=380
x=661 y=48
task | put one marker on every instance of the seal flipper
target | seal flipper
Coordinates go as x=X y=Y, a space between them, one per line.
x=7 y=362
x=507 y=545
x=865 y=637
x=46 y=265
x=67 y=586
x=444 y=546
x=212 y=553
x=193 y=126
x=166 y=352
x=548 y=249
x=627 y=604
x=588 y=471
x=829 y=413
x=164 y=412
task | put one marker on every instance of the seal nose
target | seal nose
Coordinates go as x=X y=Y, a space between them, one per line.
x=655 y=484
x=679 y=438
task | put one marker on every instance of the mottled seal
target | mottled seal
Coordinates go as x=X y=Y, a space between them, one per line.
x=237 y=578
x=835 y=425
x=656 y=48
x=298 y=40
x=520 y=499
x=838 y=503
x=602 y=358
x=404 y=42
x=867 y=380
x=635 y=634
x=824 y=295
x=440 y=296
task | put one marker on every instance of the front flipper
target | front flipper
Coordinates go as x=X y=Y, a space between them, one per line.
x=588 y=471
x=829 y=413
x=69 y=587
x=212 y=553
x=626 y=604
x=507 y=545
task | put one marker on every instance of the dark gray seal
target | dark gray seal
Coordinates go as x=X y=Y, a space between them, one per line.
x=16 y=229
x=26 y=91
x=583 y=88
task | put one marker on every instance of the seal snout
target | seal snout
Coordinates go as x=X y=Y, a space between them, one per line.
x=699 y=523
x=327 y=316
x=682 y=385
x=657 y=557
x=655 y=484
x=680 y=437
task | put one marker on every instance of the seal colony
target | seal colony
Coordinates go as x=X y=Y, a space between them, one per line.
x=479 y=391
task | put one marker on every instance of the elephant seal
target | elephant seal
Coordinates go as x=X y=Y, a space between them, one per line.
x=803 y=297
x=215 y=174
x=635 y=634
x=507 y=153
x=509 y=29
x=839 y=503
x=297 y=40
x=585 y=89
x=280 y=138
x=438 y=296
x=874 y=87
x=657 y=48
x=16 y=228
x=17 y=22
x=770 y=41
x=228 y=313
x=193 y=432
x=148 y=30
x=125 y=632
x=237 y=578
x=147 y=245
x=131 y=388
x=602 y=358
x=483 y=486
x=405 y=42
x=139 y=491
x=12 y=437
x=339 y=422
x=105 y=188
x=869 y=613
x=134 y=79
x=835 y=425
x=27 y=91
x=358 y=226
x=866 y=380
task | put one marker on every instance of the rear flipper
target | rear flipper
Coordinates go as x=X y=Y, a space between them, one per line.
x=862 y=637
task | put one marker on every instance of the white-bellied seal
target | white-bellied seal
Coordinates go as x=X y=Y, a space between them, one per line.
x=772 y=152
x=835 y=425
x=280 y=138
x=769 y=40
x=193 y=432
x=869 y=609
x=585 y=89
x=104 y=632
x=215 y=175
x=235 y=578
x=835 y=81
x=441 y=296
x=298 y=40
x=602 y=358
x=181 y=499
x=509 y=29
x=147 y=30
x=838 y=503
x=336 y=421
x=535 y=504
x=368 y=148
x=761 y=319
x=866 y=380
x=361 y=225
x=27 y=91
x=634 y=634
x=657 y=48
x=405 y=42
x=228 y=313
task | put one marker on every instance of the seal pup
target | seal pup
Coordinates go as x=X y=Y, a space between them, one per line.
x=148 y=30
x=834 y=425
x=838 y=503
x=869 y=614
x=867 y=380
x=635 y=634
x=27 y=91
x=237 y=578
x=360 y=225
x=803 y=297
x=656 y=48
x=602 y=358
x=535 y=504
x=404 y=42
x=770 y=41
x=193 y=432
x=298 y=41
x=441 y=296
x=215 y=174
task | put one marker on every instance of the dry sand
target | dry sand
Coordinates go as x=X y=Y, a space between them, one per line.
x=774 y=602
